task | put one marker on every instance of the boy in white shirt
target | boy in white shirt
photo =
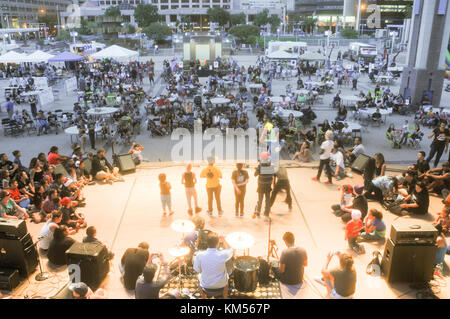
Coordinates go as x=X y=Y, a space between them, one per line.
x=325 y=151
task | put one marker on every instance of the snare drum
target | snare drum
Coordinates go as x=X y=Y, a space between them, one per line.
x=246 y=270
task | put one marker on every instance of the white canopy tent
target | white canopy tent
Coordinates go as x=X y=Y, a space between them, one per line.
x=115 y=52
x=12 y=57
x=38 y=56
x=283 y=55
x=312 y=56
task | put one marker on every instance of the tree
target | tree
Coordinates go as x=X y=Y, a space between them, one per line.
x=219 y=15
x=112 y=12
x=245 y=33
x=84 y=27
x=261 y=18
x=157 y=31
x=349 y=33
x=50 y=21
x=63 y=35
x=309 y=24
x=146 y=14
x=236 y=19
x=128 y=29
x=274 y=21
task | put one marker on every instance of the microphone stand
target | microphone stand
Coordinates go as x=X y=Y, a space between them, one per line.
x=41 y=276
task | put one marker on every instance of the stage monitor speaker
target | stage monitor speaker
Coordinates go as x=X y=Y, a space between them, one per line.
x=19 y=253
x=126 y=163
x=360 y=163
x=88 y=165
x=9 y=278
x=408 y=263
x=93 y=261
x=418 y=232
x=59 y=169
x=12 y=228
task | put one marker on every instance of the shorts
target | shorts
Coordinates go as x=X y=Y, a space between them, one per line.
x=166 y=201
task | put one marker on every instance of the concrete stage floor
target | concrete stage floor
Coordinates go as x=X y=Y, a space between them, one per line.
x=130 y=212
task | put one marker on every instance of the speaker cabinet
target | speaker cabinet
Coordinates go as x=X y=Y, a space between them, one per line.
x=360 y=163
x=13 y=228
x=126 y=163
x=411 y=263
x=19 y=253
x=92 y=258
x=9 y=278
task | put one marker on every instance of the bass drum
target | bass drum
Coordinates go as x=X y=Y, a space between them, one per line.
x=245 y=274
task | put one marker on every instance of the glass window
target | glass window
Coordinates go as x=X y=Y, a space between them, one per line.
x=165 y=7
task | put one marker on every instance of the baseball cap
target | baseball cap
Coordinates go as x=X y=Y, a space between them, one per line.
x=65 y=201
x=67 y=182
x=356 y=214
x=80 y=288
x=359 y=189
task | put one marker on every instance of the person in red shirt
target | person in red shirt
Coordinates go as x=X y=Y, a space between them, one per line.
x=19 y=198
x=352 y=231
x=54 y=158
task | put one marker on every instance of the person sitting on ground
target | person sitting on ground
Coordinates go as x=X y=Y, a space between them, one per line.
x=20 y=199
x=54 y=158
x=146 y=286
x=59 y=245
x=347 y=206
x=374 y=227
x=103 y=170
x=380 y=187
x=352 y=153
x=304 y=155
x=91 y=233
x=211 y=265
x=417 y=202
x=438 y=179
x=132 y=264
x=70 y=217
x=9 y=209
x=292 y=262
x=409 y=184
x=47 y=231
x=340 y=282
x=338 y=170
x=421 y=166
x=82 y=291
x=136 y=153
x=352 y=230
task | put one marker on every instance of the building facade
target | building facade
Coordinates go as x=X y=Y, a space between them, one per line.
x=21 y=13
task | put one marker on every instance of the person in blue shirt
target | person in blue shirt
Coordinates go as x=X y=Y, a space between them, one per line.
x=374 y=227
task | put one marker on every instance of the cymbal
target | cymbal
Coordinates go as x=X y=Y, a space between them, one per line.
x=240 y=240
x=179 y=251
x=183 y=226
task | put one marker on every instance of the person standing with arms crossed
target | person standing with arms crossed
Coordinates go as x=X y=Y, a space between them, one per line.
x=189 y=180
x=213 y=187
x=325 y=151
x=240 y=179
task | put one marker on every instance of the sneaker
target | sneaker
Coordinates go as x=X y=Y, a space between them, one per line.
x=315 y=179
x=198 y=210
x=236 y=214
x=328 y=183
x=171 y=213
x=254 y=215
x=190 y=212
x=221 y=213
x=319 y=280
x=241 y=215
x=110 y=182
x=120 y=179
x=209 y=213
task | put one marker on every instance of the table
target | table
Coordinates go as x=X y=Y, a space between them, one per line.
x=385 y=79
x=353 y=125
x=220 y=100
x=285 y=113
x=312 y=83
x=370 y=111
x=302 y=91
x=352 y=98
x=30 y=93
x=73 y=130
x=102 y=111
x=277 y=99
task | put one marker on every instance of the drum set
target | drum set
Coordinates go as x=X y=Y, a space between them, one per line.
x=243 y=269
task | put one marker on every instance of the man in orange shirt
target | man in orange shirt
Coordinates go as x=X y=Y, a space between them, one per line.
x=213 y=187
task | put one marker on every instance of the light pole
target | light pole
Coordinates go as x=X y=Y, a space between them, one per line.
x=358 y=15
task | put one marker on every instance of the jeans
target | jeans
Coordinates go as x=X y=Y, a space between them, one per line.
x=214 y=191
x=261 y=194
x=25 y=203
x=373 y=236
x=353 y=244
x=325 y=163
x=191 y=193
x=239 y=204
x=437 y=150
x=281 y=184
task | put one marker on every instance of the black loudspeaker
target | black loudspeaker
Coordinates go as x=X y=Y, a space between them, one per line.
x=360 y=163
x=125 y=163
x=92 y=258
x=411 y=263
x=9 y=278
x=19 y=253
x=417 y=233
x=13 y=228
x=59 y=169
